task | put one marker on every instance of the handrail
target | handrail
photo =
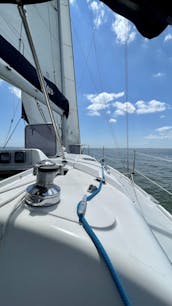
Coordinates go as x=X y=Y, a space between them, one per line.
x=135 y=151
x=106 y=157
x=155 y=157
x=153 y=182
x=134 y=169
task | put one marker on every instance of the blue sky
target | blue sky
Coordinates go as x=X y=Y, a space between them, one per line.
x=99 y=38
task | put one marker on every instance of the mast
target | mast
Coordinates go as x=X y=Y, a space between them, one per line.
x=39 y=73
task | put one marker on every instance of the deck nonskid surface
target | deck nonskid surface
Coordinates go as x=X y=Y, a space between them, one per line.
x=113 y=215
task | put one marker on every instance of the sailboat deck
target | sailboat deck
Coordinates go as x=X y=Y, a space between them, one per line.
x=140 y=250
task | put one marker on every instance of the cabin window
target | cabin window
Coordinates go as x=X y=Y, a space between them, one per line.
x=19 y=157
x=5 y=157
x=42 y=137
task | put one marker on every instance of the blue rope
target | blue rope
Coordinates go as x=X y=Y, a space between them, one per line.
x=81 y=209
x=95 y=192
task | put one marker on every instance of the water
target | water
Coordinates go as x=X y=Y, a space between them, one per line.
x=159 y=171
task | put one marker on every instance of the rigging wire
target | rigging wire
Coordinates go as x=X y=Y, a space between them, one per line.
x=85 y=57
x=9 y=137
x=101 y=85
x=155 y=157
x=51 y=45
x=8 y=132
x=18 y=33
x=21 y=43
x=11 y=122
x=40 y=75
x=126 y=97
x=104 y=112
x=143 y=215
x=137 y=200
x=15 y=110
x=114 y=139
x=15 y=33
x=153 y=182
x=11 y=27
x=45 y=23
x=40 y=111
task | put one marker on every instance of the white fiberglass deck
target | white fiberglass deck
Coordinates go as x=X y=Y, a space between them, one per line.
x=47 y=258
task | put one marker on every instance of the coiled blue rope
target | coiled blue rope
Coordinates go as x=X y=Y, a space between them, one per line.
x=81 y=209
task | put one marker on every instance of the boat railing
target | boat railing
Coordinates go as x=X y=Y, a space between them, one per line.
x=140 y=173
x=102 y=154
x=146 y=163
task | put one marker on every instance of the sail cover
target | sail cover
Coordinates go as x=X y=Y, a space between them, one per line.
x=21 y=65
x=49 y=25
x=24 y=2
x=16 y=54
x=150 y=17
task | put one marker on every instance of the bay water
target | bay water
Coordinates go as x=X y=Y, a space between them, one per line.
x=156 y=164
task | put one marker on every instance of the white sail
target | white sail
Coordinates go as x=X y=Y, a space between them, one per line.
x=71 y=125
x=36 y=112
x=52 y=41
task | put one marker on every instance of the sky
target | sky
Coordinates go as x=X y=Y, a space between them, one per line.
x=120 y=77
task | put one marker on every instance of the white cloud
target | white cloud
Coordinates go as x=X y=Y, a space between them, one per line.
x=112 y=120
x=163 y=129
x=94 y=113
x=164 y=132
x=158 y=74
x=98 y=10
x=122 y=108
x=168 y=37
x=15 y=91
x=101 y=101
x=104 y=97
x=105 y=101
x=140 y=107
x=153 y=136
x=123 y=30
x=97 y=106
x=152 y=106
x=72 y=2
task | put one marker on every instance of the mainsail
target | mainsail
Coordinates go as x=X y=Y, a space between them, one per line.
x=49 y=24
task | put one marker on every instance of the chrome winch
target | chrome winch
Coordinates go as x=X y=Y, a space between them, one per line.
x=44 y=192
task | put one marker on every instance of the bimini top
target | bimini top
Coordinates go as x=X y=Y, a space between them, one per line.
x=150 y=17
